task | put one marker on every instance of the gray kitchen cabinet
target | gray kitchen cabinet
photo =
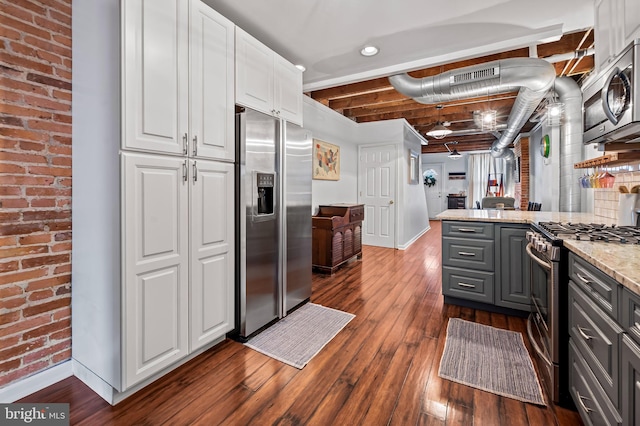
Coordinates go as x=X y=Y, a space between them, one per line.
x=630 y=389
x=512 y=267
x=597 y=337
x=592 y=403
x=602 y=288
x=468 y=261
x=486 y=262
x=604 y=346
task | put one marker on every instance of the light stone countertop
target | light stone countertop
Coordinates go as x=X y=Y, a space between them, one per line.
x=516 y=216
x=619 y=261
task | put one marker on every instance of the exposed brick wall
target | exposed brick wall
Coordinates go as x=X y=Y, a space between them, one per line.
x=521 y=150
x=35 y=186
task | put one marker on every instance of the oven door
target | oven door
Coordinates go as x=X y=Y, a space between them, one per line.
x=543 y=324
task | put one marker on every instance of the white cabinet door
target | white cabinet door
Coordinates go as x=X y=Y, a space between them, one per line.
x=630 y=21
x=605 y=33
x=212 y=84
x=155 y=264
x=254 y=73
x=155 y=58
x=212 y=250
x=288 y=91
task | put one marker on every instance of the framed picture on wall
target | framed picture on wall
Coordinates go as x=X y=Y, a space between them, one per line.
x=326 y=160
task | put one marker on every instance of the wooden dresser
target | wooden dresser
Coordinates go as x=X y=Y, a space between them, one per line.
x=337 y=235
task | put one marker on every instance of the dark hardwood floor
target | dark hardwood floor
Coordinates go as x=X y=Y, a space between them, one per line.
x=381 y=369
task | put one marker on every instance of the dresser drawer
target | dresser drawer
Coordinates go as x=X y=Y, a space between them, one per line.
x=467 y=229
x=630 y=314
x=356 y=213
x=602 y=288
x=598 y=339
x=465 y=284
x=468 y=253
x=589 y=397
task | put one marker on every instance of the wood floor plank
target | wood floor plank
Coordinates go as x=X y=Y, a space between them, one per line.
x=381 y=369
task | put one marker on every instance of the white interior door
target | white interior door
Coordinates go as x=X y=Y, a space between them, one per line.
x=435 y=198
x=377 y=191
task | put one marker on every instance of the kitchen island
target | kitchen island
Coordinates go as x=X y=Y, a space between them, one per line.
x=619 y=261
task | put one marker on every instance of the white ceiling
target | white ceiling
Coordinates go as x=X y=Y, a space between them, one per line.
x=326 y=35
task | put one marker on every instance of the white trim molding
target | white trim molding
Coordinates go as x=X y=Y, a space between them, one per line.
x=38 y=381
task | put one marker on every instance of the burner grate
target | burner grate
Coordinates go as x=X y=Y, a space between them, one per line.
x=593 y=232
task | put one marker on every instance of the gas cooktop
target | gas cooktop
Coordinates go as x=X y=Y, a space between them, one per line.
x=591 y=232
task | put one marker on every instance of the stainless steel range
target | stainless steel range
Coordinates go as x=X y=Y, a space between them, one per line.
x=547 y=324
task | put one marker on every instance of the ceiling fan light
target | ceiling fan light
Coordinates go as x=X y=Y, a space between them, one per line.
x=439 y=131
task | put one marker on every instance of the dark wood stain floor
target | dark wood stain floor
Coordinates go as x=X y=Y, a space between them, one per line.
x=380 y=370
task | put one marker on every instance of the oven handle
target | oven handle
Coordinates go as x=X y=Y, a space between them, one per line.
x=534 y=343
x=542 y=263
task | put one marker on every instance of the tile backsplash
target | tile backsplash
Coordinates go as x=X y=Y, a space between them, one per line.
x=606 y=199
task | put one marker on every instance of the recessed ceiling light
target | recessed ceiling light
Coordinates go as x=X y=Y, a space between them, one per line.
x=369 y=51
x=301 y=67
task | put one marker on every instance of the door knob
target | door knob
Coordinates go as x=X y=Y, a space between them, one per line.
x=390 y=201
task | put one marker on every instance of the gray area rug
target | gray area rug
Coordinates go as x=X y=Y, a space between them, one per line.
x=490 y=359
x=301 y=335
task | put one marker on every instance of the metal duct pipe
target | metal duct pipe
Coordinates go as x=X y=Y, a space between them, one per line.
x=576 y=54
x=570 y=94
x=532 y=76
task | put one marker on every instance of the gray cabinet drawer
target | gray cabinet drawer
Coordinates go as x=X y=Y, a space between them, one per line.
x=630 y=314
x=598 y=338
x=602 y=288
x=591 y=401
x=630 y=382
x=467 y=253
x=465 y=284
x=467 y=229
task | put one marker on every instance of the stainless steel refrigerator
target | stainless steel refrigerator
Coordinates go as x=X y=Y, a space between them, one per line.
x=274 y=224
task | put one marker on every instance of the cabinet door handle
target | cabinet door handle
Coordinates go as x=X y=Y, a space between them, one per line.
x=184 y=171
x=195 y=172
x=466 y=285
x=581 y=400
x=583 y=279
x=185 y=144
x=466 y=253
x=584 y=335
x=195 y=145
x=466 y=230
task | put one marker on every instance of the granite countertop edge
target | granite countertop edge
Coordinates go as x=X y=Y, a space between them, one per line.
x=619 y=261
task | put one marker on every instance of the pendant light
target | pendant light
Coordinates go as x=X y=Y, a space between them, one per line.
x=439 y=131
x=454 y=155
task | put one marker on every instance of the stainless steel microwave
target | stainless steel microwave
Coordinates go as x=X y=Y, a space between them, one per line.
x=611 y=105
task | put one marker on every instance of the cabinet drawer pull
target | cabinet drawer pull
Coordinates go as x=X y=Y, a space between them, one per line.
x=583 y=279
x=466 y=230
x=581 y=400
x=466 y=253
x=584 y=335
x=466 y=285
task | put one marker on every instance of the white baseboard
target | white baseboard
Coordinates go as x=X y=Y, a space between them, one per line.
x=38 y=381
x=414 y=239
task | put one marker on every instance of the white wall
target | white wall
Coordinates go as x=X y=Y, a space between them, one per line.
x=544 y=184
x=329 y=126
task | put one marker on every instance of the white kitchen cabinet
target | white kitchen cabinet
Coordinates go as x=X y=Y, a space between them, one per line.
x=617 y=24
x=212 y=250
x=156 y=264
x=178 y=79
x=212 y=114
x=153 y=266
x=265 y=81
